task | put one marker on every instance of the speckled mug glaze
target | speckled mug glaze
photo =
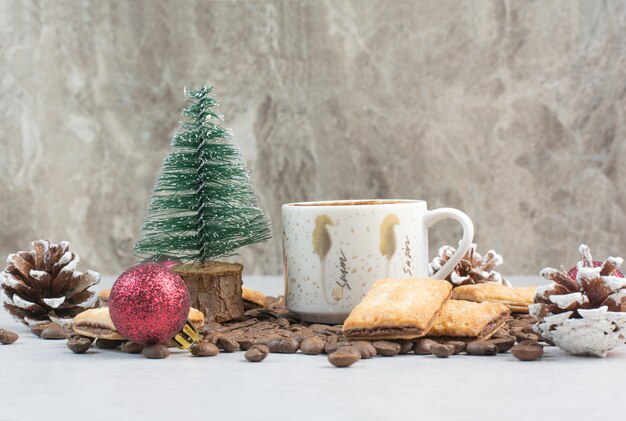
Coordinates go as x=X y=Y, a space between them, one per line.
x=334 y=251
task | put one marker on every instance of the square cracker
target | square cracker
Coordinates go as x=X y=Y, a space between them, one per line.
x=516 y=299
x=397 y=309
x=465 y=319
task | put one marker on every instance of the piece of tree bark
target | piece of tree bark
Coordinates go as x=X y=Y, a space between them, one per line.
x=214 y=289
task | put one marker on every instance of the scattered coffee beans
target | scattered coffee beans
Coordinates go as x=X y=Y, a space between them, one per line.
x=79 y=344
x=312 y=345
x=7 y=337
x=345 y=356
x=527 y=352
x=481 y=348
x=257 y=353
x=386 y=348
x=205 y=349
x=274 y=329
x=53 y=331
x=442 y=350
x=155 y=351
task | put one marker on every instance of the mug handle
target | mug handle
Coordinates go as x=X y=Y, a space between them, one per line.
x=436 y=215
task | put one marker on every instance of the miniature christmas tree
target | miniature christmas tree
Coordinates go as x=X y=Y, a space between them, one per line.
x=202 y=208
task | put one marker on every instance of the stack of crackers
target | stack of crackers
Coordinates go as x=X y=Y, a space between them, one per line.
x=414 y=308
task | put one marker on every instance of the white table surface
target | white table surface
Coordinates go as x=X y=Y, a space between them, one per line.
x=43 y=380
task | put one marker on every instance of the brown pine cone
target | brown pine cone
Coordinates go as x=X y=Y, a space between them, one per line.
x=472 y=269
x=43 y=284
x=588 y=286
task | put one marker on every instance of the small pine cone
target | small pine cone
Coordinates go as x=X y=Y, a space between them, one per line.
x=472 y=269
x=589 y=285
x=43 y=285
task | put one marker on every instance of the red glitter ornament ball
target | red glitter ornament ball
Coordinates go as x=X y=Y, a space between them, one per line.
x=149 y=303
x=573 y=272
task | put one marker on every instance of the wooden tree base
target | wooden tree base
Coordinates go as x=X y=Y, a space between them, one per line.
x=214 y=289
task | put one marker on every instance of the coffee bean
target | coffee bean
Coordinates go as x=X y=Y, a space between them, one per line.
x=442 y=350
x=213 y=337
x=501 y=333
x=503 y=344
x=155 y=351
x=7 y=337
x=324 y=329
x=244 y=342
x=211 y=327
x=132 y=347
x=246 y=324
x=529 y=329
x=252 y=313
x=366 y=349
x=422 y=346
x=228 y=344
x=521 y=336
x=336 y=329
x=79 y=344
x=301 y=335
x=257 y=353
x=516 y=329
x=169 y=344
x=277 y=343
x=284 y=333
x=107 y=343
x=312 y=346
x=529 y=342
x=330 y=339
x=527 y=352
x=330 y=348
x=53 y=332
x=345 y=356
x=459 y=346
x=76 y=335
x=263 y=326
x=283 y=323
x=386 y=348
x=481 y=348
x=37 y=329
x=405 y=346
x=205 y=349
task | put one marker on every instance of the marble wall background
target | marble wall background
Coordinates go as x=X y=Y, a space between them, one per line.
x=512 y=111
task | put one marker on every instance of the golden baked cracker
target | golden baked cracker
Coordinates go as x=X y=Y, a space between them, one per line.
x=516 y=299
x=103 y=296
x=466 y=319
x=196 y=317
x=252 y=298
x=397 y=309
x=96 y=323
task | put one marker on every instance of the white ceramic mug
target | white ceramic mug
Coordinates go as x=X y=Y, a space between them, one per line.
x=335 y=251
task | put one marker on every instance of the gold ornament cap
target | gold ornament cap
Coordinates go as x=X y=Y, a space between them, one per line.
x=187 y=337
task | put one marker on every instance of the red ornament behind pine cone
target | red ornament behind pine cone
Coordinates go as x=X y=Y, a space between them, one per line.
x=584 y=250
x=149 y=303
